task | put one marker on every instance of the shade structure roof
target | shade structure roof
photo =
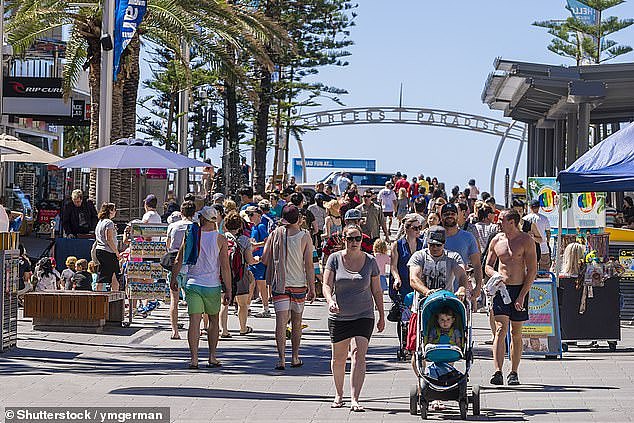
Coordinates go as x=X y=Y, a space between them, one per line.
x=529 y=92
x=27 y=153
x=608 y=166
x=130 y=153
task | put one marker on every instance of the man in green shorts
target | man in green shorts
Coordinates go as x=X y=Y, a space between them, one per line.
x=206 y=253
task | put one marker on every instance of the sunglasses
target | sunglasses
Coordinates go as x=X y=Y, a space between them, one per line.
x=433 y=244
x=354 y=238
x=449 y=213
x=416 y=228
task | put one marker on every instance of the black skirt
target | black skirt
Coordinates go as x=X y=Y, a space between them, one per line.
x=345 y=329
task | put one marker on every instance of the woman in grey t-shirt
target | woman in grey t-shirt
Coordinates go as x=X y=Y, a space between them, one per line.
x=352 y=289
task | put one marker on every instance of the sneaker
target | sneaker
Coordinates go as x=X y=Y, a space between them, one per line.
x=265 y=314
x=498 y=378
x=512 y=379
x=257 y=301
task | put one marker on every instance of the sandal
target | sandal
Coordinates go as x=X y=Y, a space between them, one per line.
x=226 y=335
x=357 y=408
x=213 y=365
x=248 y=331
x=175 y=337
x=280 y=367
x=300 y=363
x=337 y=404
x=193 y=367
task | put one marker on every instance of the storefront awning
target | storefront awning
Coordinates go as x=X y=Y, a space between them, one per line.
x=32 y=154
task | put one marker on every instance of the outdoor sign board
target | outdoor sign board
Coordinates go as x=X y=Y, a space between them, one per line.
x=30 y=87
x=584 y=210
x=541 y=334
x=626 y=259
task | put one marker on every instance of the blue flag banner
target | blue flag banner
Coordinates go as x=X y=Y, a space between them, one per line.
x=583 y=12
x=128 y=15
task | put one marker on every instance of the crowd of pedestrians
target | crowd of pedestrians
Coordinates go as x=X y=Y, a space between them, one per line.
x=265 y=255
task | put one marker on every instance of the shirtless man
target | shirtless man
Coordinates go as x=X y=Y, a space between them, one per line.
x=517 y=268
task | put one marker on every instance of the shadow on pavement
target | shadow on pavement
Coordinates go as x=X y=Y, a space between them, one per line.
x=153 y=360
x=537 y=387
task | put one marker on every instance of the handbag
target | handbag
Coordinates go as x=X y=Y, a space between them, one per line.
x=168 y=259
x=395 y=312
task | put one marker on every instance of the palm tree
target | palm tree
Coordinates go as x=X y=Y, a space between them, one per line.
x=210 y=25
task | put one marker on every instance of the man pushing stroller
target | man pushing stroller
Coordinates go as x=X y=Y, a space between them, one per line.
x=433 y=269
x=439 y=336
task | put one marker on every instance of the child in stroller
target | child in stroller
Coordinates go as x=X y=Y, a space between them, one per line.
x=443 y=337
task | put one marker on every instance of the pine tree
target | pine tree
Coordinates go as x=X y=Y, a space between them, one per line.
x=588 y=42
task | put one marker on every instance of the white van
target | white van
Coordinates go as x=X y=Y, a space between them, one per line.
x=364 y=180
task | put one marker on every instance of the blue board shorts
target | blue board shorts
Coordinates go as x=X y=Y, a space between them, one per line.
x=259 y=271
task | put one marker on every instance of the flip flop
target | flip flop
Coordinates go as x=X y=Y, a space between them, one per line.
x=214 y=365
x=357 y=409
x=248 y=331
x=193 y=367
x=175 y=337
x=226 y=335
x=337 y=404
x=280 y=367
x=300 y=363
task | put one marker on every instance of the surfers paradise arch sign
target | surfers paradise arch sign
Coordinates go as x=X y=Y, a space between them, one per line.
x=419 y=116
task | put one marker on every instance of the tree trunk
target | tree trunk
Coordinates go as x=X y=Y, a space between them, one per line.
x=261 y=131
x=94 y=78
x=231 y=158
x=128 y=177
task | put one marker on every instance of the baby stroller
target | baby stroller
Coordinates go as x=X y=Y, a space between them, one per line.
x=439 y=379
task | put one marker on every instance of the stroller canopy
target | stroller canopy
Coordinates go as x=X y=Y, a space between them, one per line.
x=436 y=302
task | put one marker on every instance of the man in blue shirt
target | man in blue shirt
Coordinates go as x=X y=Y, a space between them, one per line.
x=259 y=234
x=463 y=243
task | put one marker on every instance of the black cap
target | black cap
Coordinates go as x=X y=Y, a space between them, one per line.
x=535 y=203
x=436 y=235
x=449 y=207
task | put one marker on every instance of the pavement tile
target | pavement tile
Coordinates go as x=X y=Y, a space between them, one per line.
x=142 y=366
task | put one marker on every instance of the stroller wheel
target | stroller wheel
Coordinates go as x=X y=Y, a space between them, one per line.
x=413 y=400
x=475 y=400
x=464 y=406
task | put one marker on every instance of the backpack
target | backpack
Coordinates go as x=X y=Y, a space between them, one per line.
x=241 y=277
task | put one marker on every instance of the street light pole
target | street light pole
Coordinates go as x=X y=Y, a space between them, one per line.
x=183 y=123
x=105 y=99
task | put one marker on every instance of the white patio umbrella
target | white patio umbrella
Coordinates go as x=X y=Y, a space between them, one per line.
x=130 y=153
x=23 y=152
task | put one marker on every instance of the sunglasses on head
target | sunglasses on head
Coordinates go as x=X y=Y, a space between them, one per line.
x=354 y=238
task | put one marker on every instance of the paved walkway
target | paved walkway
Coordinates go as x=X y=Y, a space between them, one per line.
x=141 y=366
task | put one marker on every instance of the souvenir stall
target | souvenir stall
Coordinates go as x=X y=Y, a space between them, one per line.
x=589 y=277
x=145 y=279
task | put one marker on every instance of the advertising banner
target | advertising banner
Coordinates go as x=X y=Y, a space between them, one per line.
x=29 y=87
x=541 y=334
x=127 y=18
x=583 y=12
x=585 y=210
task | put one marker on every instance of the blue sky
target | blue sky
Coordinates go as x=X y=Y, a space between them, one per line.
x=442 y=52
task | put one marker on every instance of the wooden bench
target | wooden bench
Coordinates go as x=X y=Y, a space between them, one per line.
x=84 y=311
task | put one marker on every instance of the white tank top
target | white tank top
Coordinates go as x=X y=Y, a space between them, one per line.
x=295 y=270
x=206 y=271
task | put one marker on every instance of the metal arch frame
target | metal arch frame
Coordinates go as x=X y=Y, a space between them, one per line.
x=418 y=116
